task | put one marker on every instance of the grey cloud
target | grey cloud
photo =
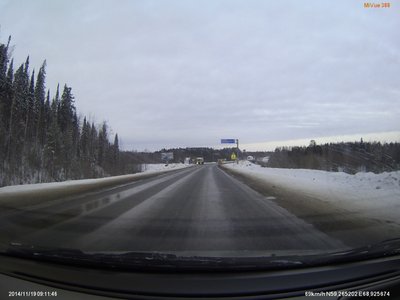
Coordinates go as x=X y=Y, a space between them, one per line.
x=191 y=72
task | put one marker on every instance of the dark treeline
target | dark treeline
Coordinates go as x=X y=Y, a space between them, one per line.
x=210 y=154
x=41 y=137
x=350 y=157
x=179 y=154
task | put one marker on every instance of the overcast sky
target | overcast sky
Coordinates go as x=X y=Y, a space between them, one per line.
x=188 y=73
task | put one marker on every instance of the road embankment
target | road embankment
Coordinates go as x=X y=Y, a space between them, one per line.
x=19 y=196
x=351 y=225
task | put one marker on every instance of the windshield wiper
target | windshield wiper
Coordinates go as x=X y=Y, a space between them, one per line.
x=384 y=248
x=159 y=261
x=146 y=260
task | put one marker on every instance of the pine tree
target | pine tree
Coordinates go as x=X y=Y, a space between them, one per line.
x=29 y=121
x=102 y=144
x=115 y=155
x=67 y=109
x=53 y=140
x=116 y=145
x=17 y=117
x=46 y=116
x=93 y=153
x=5 y=98
x=4 y=59
x=40 y=97
x=75 y=132
x=67 y=124
x=84 y=140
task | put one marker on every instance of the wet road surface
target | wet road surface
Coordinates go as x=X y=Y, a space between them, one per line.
x=200 y=210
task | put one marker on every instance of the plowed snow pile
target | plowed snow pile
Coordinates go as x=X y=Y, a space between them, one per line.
x=376 y=195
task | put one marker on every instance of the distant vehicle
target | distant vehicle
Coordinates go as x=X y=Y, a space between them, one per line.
x=199 y=161
x=265 y=159
x=250 y=158
x=221 y=161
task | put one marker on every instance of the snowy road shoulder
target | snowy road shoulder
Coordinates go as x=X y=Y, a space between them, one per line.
x=373 y=195
x=30 y=194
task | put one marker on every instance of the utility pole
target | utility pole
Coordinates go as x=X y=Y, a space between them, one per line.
x=237 y=151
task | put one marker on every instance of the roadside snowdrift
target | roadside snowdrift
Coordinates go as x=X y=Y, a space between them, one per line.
x=374 y=195
x=30 y=194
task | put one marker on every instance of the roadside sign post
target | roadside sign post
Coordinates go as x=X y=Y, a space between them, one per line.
x=237 y=151
x=233 y=141
x=166 y=157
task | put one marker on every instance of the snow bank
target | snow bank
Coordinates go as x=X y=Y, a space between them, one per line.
x=30 y=194
x=375 y=195
x=162 y=167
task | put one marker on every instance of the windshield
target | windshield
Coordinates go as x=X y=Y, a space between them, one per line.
x=251 y=131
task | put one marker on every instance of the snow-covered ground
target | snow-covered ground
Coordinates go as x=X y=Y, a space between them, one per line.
x=146 y=168
x=375 y=195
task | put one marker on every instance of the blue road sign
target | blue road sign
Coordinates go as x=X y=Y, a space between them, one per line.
x=166 y=156
x=228 y=141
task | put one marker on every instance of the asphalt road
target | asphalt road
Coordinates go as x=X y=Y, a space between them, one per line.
x=200 y=210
